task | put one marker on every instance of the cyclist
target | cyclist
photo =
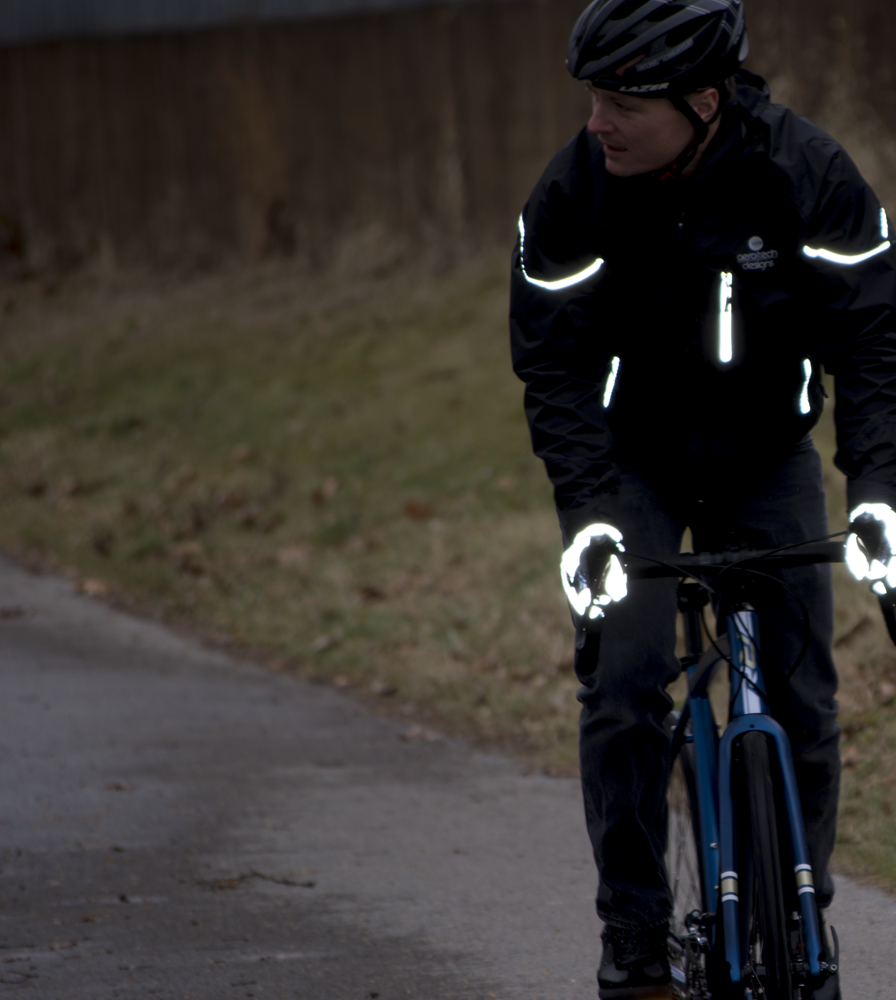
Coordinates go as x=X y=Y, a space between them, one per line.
x=685 y=267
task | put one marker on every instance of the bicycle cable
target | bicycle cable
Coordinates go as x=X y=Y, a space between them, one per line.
x=807 y=637
x=681 y=571
x=684 y=572
x=804 y=612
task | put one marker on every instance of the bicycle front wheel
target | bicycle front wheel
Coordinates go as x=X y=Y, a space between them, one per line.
x=764 y=901
x=683 y=872
x=683 y=849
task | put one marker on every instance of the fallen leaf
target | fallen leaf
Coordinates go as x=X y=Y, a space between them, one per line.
x=12 y=612
x=251 y=516
x=886 y=691
x=418 y=733
x=417 y=511
x=129 y=508
x=187 y=557
x=341 y=681
x=120 y=786
x=371 y=593
x=182 y=478
x=242 y=453
x=270 y=522
x=294 y=555
x=231 y=499
x=102 y=539
x=359 y=545
x=506 y=483
x=851 y=757
x=382 y=689
x=70 y=487
x=93 y=586
x=326 y=491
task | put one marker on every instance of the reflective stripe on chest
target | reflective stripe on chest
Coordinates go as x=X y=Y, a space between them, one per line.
x=560 y=283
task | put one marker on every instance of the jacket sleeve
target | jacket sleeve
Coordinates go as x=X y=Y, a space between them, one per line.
x=557 y=351
x=848 y=245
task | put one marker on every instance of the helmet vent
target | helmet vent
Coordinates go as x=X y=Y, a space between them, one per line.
x=664 y=56
x=661 y=13
x=673 y=46
x=615 y=45
x=692 y=30
x=625 y=10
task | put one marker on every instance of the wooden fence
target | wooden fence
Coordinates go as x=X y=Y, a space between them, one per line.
x=428 y=123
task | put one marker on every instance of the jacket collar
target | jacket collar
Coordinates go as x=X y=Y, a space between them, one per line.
x=749 y=99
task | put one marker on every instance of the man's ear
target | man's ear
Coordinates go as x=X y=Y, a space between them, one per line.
x=705 y=103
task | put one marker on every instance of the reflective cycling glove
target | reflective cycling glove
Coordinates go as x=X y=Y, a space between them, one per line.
x=592 y=572
x=871 y=546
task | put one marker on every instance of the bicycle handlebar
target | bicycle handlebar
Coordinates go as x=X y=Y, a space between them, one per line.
x=705 y=563
x=700 y=563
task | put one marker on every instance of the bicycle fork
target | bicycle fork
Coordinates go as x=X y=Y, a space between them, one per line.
x=750 y=712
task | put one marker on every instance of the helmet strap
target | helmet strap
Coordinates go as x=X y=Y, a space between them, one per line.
x=701 y=131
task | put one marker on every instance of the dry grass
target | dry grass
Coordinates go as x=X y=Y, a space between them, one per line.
x=335 y=474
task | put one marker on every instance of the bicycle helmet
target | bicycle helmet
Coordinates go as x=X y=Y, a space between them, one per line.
x=659 y=48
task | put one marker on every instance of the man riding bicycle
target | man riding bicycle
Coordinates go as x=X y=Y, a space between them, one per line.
x=686 y=266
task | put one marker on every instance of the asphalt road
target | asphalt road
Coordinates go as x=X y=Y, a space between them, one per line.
x=175 y=824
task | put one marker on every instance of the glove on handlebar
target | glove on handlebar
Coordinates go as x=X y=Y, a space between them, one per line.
x=871 y=545
x=592 y=572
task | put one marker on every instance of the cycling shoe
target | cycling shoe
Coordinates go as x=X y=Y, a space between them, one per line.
x=634 y=964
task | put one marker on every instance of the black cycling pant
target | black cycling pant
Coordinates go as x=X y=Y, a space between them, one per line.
x=624 y=746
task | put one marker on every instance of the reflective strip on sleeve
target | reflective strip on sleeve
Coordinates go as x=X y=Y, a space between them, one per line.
x=842 y=258
x=611 y=382
x=805 y=405
x=560 y=283
x=726 y=342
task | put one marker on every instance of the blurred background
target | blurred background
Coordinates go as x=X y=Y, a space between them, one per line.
x=253 y=356
x=202 y=131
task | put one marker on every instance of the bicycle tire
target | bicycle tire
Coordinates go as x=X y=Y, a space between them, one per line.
x=765 y=922
x=683 y=845
x=683 y=866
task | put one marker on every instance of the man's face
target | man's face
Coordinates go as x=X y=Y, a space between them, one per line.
x=639 y=134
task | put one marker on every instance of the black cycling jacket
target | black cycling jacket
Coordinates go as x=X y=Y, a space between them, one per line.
x=682 y=324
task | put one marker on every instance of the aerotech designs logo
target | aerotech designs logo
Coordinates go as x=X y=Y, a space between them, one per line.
x=758 y=259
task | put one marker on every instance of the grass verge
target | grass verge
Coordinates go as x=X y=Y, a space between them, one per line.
x=335 y=473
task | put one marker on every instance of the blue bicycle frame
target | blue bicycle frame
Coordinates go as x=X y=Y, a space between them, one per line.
x=715 y=810
x=716 y=817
